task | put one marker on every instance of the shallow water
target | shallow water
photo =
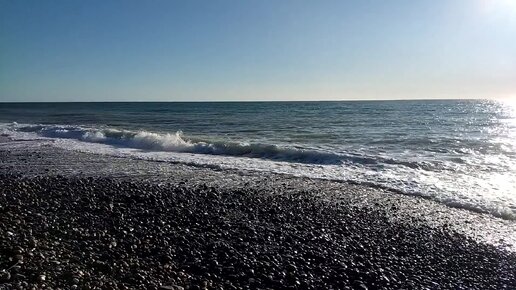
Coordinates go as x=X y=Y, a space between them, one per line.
x=461 y=153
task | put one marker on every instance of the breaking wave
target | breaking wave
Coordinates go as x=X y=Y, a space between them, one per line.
x=177 y=142
x=432 y=179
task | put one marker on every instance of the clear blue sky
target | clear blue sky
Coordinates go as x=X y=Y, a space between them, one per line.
x=256 y=50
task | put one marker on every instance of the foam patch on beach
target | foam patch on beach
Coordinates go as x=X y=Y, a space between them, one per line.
x=408 y=177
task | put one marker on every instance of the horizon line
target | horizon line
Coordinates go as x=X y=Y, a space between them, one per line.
x=257 y=101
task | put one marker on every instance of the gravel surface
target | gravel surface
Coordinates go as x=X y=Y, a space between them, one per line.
x=74 y=220
x=88 y=233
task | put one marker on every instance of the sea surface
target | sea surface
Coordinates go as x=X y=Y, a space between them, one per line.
x=458 y=152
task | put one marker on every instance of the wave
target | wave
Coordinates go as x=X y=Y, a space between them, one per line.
x=177 y=142
x=431 y=179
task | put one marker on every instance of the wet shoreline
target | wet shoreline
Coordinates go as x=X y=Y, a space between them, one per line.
x=67 y=225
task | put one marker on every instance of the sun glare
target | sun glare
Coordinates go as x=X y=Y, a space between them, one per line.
x=499 y=7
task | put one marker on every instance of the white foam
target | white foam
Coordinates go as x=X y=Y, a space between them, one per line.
x=176 y=142
x=491 y=194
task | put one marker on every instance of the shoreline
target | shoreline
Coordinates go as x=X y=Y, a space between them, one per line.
x=39 y=158
x=78 y=221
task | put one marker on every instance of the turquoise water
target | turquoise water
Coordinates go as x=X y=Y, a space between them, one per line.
x=462 y=153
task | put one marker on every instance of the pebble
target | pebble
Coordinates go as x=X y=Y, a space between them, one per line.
x=106 y=233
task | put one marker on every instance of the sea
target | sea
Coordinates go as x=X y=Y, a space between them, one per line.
x=461 y=153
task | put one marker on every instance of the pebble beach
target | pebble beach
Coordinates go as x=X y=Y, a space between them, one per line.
x=72 y=223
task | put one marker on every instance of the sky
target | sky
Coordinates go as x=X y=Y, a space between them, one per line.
x=171 y=50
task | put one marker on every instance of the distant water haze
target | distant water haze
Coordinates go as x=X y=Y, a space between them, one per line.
x=460 y=153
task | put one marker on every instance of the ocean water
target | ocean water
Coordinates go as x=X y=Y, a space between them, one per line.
x=458 y=152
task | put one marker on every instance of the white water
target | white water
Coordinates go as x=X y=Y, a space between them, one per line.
x=407 y=177
x=150 y=141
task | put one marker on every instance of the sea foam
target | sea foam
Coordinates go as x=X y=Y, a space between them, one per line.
x=177 y=142
x=407 y=176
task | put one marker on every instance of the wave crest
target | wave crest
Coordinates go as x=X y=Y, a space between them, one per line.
x=177 y=142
